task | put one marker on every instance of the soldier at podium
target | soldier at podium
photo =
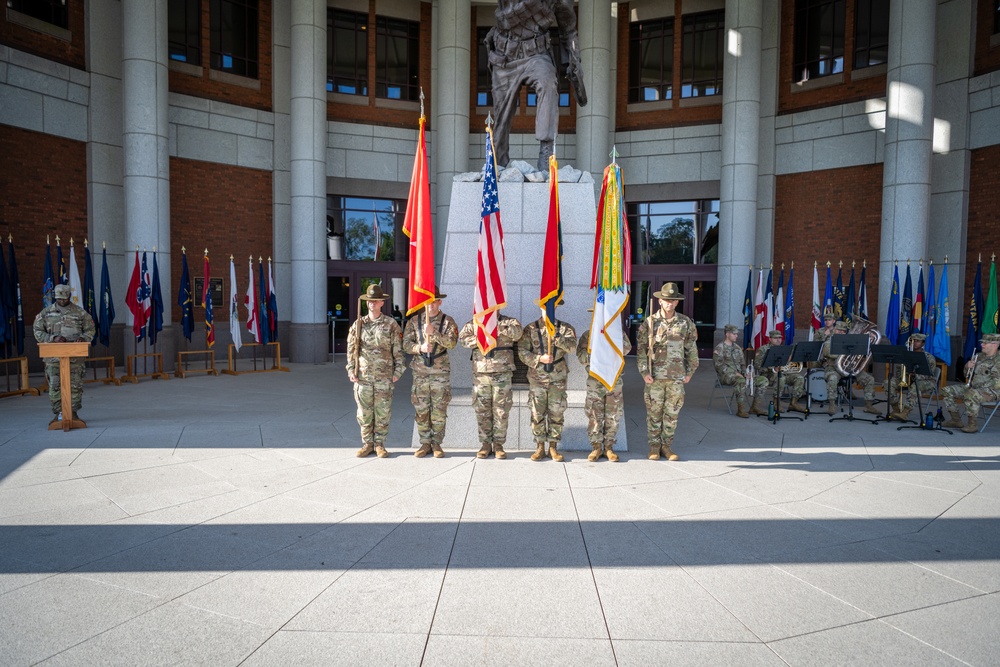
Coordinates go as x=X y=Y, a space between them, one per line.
x=64 y=322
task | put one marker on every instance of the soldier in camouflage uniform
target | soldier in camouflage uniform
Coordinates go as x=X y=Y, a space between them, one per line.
x=64 y=322
x=603 y=406
x=667 y=358
x=428 y=337
x=729 y=366
x=829 y=322
x=984 y=387
x=492 y=391
x=918 y=383
x=374 y=364
x=768 y=377
x=547 y=372
x=833 y=376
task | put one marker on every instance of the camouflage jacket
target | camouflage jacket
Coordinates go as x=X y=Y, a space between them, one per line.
x=381 y=349
x=728 y=358
x=501 y=358
x=534 y=343
x=70 y=321
x=931 y=364
x=583 y=348
x=986 y=375
x=674 y=353
x=444 y=338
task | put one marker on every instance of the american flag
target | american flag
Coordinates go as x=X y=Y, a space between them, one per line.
x=491 y=278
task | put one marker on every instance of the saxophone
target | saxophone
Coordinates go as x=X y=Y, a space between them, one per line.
x=853 y=364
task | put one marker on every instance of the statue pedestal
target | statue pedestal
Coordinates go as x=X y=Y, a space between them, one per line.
x=524 y=209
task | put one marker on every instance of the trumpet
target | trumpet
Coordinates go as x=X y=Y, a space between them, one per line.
x=968 y=377
x=749 y=374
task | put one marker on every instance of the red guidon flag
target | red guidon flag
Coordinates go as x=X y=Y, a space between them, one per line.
x=417 y=226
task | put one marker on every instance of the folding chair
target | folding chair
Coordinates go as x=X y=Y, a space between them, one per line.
x=727 y=395
x=982 y=408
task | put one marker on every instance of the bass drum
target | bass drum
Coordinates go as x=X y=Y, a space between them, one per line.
x=817 y=384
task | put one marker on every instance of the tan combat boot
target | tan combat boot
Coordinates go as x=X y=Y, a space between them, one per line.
x=871 y=409
x=609 y=451
x=554 y=452
x=424 y=450
x=539 y=452
x=484 y=451
x=899 y=415
x=741 y=409
x=499 y=452
x=596 y=454
x=831 y=407
x=438 y=452
x=380 y=451
x=366 y=450
x=972 y=426
x=949 y=421
x=668 y=453
x=654 y=452
x=796 y=406
x=759 y=405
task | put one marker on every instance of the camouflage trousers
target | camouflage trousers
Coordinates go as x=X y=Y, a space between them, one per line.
x=492 y=396
x=374 y=401
x=430 y=396
x=795 y=382
x=973 y=397
x=910 y=401
x=664 y=400
x=603 y=409
x=548 y=410
x=737 y=381
x=76 y=373
x=866 y=380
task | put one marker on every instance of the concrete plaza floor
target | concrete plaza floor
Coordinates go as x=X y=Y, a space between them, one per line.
x=226 y=521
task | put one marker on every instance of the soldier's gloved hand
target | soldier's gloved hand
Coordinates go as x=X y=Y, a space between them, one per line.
x=59 y=339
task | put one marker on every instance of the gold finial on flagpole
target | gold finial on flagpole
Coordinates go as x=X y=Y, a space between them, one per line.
x=268 y=259
x=10 y=238
x=421 y=102
x=770 y=267
x=841 y=265
x=489 y=120
x=993 y=257
x=86 y=243
x=793 y=264
x=104 y=245
x=154 y=248
x=71 y=242
x=206 y=252
x=48 y=243
x=907 y=261
x=980 y=254
x=782 y=266
x=946 y=259
x=230 y=258
x=828 y=264
x=930 y=262
x=57 y=239
x=815 y=264
x=259 y=259
x=854 y=263
x=183 y=250
x=614 y=154
x=864 y=264
x=921 y=262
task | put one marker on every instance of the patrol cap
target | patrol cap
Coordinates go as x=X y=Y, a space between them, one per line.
x=731 y=328
x=774 y=333
x=991 y=338
x=63 y=291
x=918 y=337
x=841 y=326
x=438 y=297
x=374 y=293
x=669 y=291
x=828 y=314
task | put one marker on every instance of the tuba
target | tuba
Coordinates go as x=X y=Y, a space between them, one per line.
x=855 y=363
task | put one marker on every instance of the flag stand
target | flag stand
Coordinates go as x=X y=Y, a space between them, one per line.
x=22 y=375
x=275 y=360
x=131 y=365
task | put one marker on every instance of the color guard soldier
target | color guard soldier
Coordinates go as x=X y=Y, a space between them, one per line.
x=547 y=372
x=603 y=406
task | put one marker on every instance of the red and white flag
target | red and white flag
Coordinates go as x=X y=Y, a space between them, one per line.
x=491 y=270
x=134 y=299
x=779 y=312
x=816 y=322
x=253 y=320
x=759 y=313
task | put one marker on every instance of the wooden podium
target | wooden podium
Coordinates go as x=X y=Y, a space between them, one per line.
x=65 y=351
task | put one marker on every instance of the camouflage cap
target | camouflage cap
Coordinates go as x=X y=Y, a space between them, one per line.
x=774 y=333
x=731 y=328
x=841 y=326
x=374 y=293
x=991 y=338
x=918 y=337
x=828 y=314
x=63 y=291
x=669 y=291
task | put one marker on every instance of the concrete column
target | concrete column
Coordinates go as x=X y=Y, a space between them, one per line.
x=593 y=122
x=146 y=169
x=738 y=175
x=909 y=133
x=281 y=68
x=449 y=120
x=308 y=333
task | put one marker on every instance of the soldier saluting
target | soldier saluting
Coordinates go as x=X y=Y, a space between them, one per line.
x=374 y=363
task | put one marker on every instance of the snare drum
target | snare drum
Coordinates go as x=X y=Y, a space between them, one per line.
x=817 y=384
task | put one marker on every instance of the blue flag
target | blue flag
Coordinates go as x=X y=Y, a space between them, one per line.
x=942 y=325
x=930 y=311
x=265 y=329
x=185 y=299
x=892 y=315
x=156 y=303
x=61 y=265
x=272 y=303
x=790 y=309
x=6 y=309
x=14 y=285
x=748 y=312
x=89 y=296
x=839 y=308
x=49 y=282
x=851 y=300
x=974 y=331
x=107 y=303
x=863 y=294
x=905 y=310
x=828 y=294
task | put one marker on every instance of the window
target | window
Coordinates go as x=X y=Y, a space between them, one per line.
x=184 y=31
x=871 y=33
x=234 y=36
x=819 y=38
x=50 y=11
x=484 y=82
x=397 y=59
x=701 y=56
x=996 y=17
x=675 y=232
x=347 y=52
x=651 y=60
x=371 y=229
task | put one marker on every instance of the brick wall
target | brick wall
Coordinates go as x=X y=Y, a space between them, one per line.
x=205 y=87
x=987 y=59
x=829 y=215
x=227 y=209
x=984 y=223
x=43 y=191
x=70 y=52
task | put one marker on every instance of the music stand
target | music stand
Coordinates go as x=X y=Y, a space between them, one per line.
x=776 y=357
x=892 y=355
x=805 y=353
x=850 y=345
x=916 y=364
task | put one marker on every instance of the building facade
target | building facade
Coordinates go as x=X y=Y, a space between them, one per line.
x=750 y=133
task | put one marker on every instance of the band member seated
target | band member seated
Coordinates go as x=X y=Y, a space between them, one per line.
x=768 y=377
x=731 y=369
x=983 y=386
x=829 y=321
x=901 y=407
x=834 y=375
